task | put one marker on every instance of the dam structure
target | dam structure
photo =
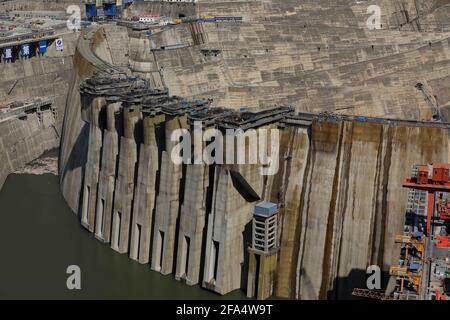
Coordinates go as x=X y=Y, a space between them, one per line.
x=352 y=110
x=194 y=220
x=34 y=82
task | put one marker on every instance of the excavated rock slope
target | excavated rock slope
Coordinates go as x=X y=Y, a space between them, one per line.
x=315 y=55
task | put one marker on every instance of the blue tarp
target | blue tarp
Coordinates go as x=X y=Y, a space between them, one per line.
x=91 y=10
x=110 y=9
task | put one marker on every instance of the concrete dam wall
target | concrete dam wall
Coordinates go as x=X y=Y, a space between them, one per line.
x=24 y=139
x=27 y=134
x=339 y=180
x=341 y=202
x=336 y=187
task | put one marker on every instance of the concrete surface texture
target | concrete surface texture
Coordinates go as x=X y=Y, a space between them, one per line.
x=315 y=55
x=341 y=211
x=339 y=181
x=41 y=76
x=23 y=140
x=337 y=190
x=32 y=5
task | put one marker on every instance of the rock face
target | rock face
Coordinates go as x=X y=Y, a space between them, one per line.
x=315 y=55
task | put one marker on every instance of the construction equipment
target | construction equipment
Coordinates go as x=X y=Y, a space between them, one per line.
x=443 y=241
x=443 y=209
x=431 y=101
x=405 y=273
x=371 y=294
x=408 y=240
x=438 y=182
x=429 y=196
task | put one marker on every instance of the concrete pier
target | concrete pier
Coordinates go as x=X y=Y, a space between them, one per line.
x=192 y=224
x=91 y=175
x=107 y=176
x=167 y=204
x=261 y=275
x=145 y=194
x=126 y=177
x=228 y=230
x=195 y=220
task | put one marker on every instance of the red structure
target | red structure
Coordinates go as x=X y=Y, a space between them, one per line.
x=443 y=241
x=439 y=182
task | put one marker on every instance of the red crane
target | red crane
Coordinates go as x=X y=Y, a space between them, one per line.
x=439 y=182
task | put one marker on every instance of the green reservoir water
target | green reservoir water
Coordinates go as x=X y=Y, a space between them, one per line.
x=40 y=237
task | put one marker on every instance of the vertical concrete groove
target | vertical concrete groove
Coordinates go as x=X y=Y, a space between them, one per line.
x=330 y=221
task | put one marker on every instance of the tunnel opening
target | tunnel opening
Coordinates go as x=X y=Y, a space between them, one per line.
x=216 y=258
x=186 y=250
x=161 y=249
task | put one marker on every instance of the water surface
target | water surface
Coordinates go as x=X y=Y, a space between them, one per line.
x=40 y=237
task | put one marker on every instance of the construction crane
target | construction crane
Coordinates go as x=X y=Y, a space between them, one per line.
x=431 y=100
x=411 y=242
x=405 y=273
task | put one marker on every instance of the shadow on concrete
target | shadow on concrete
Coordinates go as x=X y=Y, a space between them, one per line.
x=246 y=243
x=343 y=286
x=243 y=187
x=78 y=157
